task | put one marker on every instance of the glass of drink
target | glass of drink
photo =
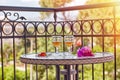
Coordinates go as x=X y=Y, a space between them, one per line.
x=56 y=40
x=69 y=41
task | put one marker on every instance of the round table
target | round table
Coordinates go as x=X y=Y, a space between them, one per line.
x=64 y=58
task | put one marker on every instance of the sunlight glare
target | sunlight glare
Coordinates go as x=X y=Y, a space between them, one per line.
x=117 y=0
x=76 y=3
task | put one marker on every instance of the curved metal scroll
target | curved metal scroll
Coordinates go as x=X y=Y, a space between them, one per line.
x=7 y=15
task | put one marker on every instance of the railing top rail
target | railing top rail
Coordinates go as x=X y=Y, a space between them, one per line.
x=17 y=8
x=38 y=9
x=91 y=6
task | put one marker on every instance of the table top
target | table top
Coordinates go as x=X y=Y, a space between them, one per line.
x=64 y=58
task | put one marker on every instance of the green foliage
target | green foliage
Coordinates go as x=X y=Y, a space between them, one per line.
x=51 y=73
x=42 y=72
x=41 y=47
x=9 y=74
x=96 y=13
x=7 y=52
x=51 y=4
x=97 y=48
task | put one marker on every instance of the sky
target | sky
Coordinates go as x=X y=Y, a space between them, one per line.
x=33 y=3
x=28 y=3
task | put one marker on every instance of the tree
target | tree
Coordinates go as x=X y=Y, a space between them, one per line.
x=52 y=4
x=96 y=13
x=99 y=13
x=7 y=52
x=102 y=13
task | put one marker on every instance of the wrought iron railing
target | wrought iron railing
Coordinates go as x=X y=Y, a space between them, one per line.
x=35 y=36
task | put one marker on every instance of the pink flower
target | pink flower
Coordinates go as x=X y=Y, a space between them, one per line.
x=84 y=51
x=77 y=42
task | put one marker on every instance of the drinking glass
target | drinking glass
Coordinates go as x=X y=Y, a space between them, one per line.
x=56 y=40
x=69 y=41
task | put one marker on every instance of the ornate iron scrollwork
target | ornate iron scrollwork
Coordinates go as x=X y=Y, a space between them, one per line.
x=16 y=16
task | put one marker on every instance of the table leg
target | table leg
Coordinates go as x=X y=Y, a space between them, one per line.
x=76 y=75
x=65 y=76
x=57 y=72
x=68 y=73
